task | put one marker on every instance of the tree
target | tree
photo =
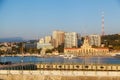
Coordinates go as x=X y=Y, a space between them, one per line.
x=48 y=51
x=61 y=48
x=39 y=50
x=113 y=40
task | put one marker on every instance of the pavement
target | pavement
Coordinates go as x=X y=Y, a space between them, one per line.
x=39 y=77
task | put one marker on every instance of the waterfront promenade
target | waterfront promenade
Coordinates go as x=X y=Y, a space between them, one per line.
x=36 y=77
x=58 y=75
x=60 y=71
x=65 y=72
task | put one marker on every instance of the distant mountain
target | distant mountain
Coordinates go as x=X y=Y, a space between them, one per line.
x=12 y=39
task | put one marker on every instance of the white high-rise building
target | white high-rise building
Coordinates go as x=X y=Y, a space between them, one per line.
x=71 y=39
x=95 y=40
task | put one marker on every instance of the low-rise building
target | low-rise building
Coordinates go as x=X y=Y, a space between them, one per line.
x=30 y=44
x=45 y=45
x=87 y=50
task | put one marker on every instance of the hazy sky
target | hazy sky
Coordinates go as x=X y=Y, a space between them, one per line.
x=32 y=19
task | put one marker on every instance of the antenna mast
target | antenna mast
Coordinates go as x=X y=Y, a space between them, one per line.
x=103 y=33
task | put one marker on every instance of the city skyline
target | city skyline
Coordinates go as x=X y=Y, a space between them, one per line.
x=35 y=19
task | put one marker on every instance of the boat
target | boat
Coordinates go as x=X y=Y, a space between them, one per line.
x=67 y=56
x=117 y=55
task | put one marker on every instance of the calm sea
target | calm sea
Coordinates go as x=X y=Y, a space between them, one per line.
x=86 y=60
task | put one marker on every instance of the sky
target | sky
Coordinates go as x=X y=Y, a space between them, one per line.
x=32 y=19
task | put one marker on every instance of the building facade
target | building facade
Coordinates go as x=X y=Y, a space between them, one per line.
x=87 y=50
x=95 y=40
x=45 y=43
x=71 y=40
x=58 y=38
x=30 y=45
x=41 y=41
x=48 y=39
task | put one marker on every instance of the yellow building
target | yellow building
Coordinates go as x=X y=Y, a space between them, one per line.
x=87 y=50
x=48 y=39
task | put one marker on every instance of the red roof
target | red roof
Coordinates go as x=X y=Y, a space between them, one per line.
x=80 y=48
x=71 y=48
x=101 y=48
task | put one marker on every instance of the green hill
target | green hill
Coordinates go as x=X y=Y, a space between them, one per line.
x=111 y=41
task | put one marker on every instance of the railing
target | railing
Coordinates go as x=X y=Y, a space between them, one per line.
x=87 y=67
x=20 y=66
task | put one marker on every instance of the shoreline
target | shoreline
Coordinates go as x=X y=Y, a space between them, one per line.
x=37 y=55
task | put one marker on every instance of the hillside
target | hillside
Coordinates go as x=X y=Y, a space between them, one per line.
x=111 y=41
x=11 y=39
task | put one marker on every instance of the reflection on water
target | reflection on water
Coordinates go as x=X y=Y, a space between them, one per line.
x=85 y=60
